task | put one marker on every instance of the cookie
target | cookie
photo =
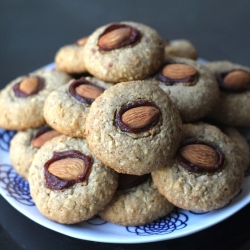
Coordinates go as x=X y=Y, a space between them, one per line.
x=24 y=146
x=136 y=202
x=190 y=85
x=232 y=108
x=205 y=173
x=123 y=52
x=70 y=58
x=180 y=48
x=66 y=108
x=68 y=183
x=242 y=146
x=133 y=127
x=22 y=99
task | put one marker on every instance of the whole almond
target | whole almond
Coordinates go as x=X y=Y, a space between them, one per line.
x=115 y=37
x=237 y=79
x=67 y=169
x=40 y=140
x=140 y=117
x=178 y=71
x=29 y=85
x=200 y=155
x=88 y=91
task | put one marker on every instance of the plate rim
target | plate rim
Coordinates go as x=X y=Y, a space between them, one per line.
x=132 y=240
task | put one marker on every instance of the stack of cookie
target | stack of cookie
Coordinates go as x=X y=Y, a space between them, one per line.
x=120 y=128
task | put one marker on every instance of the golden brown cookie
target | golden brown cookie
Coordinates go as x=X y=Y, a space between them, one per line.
x=190 y=85
x=68 y=183
x=133 y=127
x=24 y=146
x=180 y=48
x=242 y=146
x=22 y=100
x=123 y=52
x=233 y=105
x=70 y=58
x=66 y=108
x=136 y=202
x=205 y=173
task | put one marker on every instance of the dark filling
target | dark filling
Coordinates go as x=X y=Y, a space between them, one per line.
x=220 y=79
x=55 y=183
x=171 y=81
x=198 y=169
x=82 y=81
x=127 y=181
x=123 y=109
x=79 y=75
x=19 y=93
x=134 y=36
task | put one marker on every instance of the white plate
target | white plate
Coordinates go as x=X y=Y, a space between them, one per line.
x=177 y=224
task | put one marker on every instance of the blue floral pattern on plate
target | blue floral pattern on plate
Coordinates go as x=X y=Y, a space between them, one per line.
x=12 y=186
